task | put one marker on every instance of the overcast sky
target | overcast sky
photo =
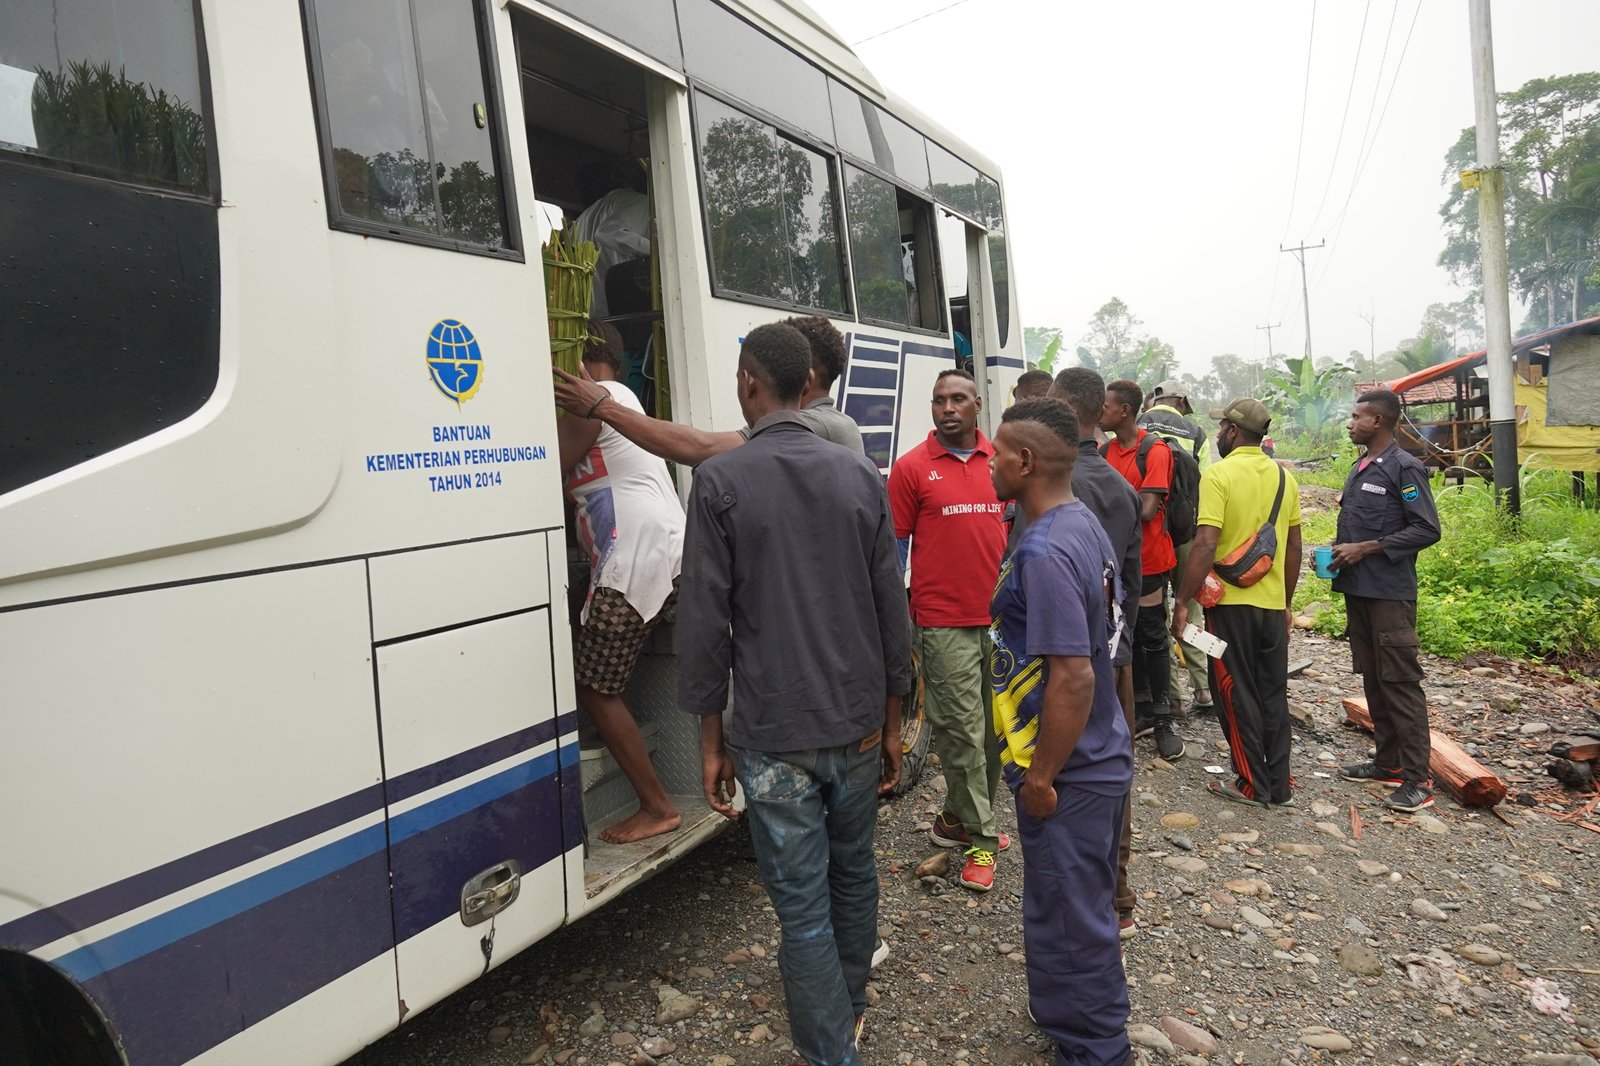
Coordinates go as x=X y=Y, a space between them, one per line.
x=1149 y=149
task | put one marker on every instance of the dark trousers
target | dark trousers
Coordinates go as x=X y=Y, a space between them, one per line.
x=1076 y=985
x=1124 y=896
x=1250 y=684
x=1152 y=651
x=1383 y=647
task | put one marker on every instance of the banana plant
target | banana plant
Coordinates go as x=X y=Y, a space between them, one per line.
x=1305 y=400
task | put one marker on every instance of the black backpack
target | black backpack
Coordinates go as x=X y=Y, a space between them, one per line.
x=1183 y=497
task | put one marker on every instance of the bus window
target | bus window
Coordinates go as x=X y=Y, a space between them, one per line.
x=770 y=212
x=722 y=50
x=105 y=89
x=953 y=259
x=871 y=134
x=408 y=120
x=954 y=183
x=110 y=302
x=891 y=248
x=991 y=214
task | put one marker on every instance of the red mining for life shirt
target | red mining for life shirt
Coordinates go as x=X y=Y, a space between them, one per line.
x=948 y=508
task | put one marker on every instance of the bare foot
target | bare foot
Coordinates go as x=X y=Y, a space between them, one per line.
x=640 y=825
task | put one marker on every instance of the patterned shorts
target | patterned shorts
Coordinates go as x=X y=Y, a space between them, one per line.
x=609 y=643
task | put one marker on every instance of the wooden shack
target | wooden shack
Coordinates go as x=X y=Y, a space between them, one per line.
x=1445 y=408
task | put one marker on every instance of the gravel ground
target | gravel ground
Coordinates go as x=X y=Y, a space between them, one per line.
x=1284 y=936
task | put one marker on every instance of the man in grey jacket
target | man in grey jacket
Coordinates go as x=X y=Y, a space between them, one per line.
x=791 y=580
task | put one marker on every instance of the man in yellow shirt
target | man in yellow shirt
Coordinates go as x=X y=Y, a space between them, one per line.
x=1239 y=495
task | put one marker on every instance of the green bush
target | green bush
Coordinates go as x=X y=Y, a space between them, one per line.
x=1529 y=588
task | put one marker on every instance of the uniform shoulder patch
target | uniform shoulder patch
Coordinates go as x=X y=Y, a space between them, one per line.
x=1409 y=492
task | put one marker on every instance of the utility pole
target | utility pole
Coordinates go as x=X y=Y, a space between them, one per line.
x=1488 y=177
x=1370 y=317
x=1270 y=353
x=1305 y=292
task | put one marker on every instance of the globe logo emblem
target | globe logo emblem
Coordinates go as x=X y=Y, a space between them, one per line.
x=454 y=362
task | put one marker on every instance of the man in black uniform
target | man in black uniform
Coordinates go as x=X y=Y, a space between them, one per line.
x=1386 y=516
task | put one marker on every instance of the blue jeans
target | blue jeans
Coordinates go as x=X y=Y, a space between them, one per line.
x=812 y=818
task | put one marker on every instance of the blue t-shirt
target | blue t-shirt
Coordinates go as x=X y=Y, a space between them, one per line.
x=1051 y=600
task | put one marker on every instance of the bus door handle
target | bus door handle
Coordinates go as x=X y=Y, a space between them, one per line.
x=491 y=892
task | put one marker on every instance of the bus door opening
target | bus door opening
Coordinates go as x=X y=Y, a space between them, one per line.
x=953 y=261
x=586 y=111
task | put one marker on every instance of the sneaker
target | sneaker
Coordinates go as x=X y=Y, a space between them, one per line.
x=1290 y=802
x=1168 y=742
x=1409 y=797
x=1368 y=771
x=879 y=953
x=949 y=833
x=1127 y=926
x=978 y=873
x=861 y=1023
x=1143 y=725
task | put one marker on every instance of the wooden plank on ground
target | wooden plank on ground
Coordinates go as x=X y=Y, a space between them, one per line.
x=1578 y=749
x=1467 y=779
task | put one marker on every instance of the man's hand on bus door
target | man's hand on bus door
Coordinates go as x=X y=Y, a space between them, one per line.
x=577 y=395
x=892 y=752
x=716 y=767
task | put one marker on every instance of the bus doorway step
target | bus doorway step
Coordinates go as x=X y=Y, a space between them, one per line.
x=609 y=868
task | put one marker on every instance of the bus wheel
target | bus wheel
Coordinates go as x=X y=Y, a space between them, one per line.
x=915 y=733
x=46 y=1021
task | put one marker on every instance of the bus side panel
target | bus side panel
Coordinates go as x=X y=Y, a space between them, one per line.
x=194 y=826
x=481 y=691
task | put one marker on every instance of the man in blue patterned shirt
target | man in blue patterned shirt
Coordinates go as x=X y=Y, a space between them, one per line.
x=1065 y=747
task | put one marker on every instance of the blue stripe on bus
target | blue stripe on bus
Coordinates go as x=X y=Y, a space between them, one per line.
x=1006 y=360
x=178 y=1001
x=42 y=927
x=118 y=949
x=874 y=377
x=415 y=782
x=938 y=351
x=888 y=342
x=875 y=355
x=429 y=867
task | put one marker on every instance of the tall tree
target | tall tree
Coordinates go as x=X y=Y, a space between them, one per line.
x=1235 y=376
x=1110 y=339
x=1457 y=326
x=1550 y=133
x=1419 y=353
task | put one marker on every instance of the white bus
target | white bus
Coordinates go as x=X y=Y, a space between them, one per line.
x=289 y=747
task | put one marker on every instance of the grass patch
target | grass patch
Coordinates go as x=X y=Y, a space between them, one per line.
x=1527 y=589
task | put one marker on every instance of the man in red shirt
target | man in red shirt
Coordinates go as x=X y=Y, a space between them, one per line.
x=947 y=520
x=1152 y=648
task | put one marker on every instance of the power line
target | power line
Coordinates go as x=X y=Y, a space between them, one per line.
x=1349 y=94
x=1366 y=155
x=1305 y=98
x=1294 y=189
x=909 y=22
x=1377 y=83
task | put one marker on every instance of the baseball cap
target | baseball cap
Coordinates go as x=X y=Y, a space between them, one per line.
x=1247 y=413
x=1170 y=387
